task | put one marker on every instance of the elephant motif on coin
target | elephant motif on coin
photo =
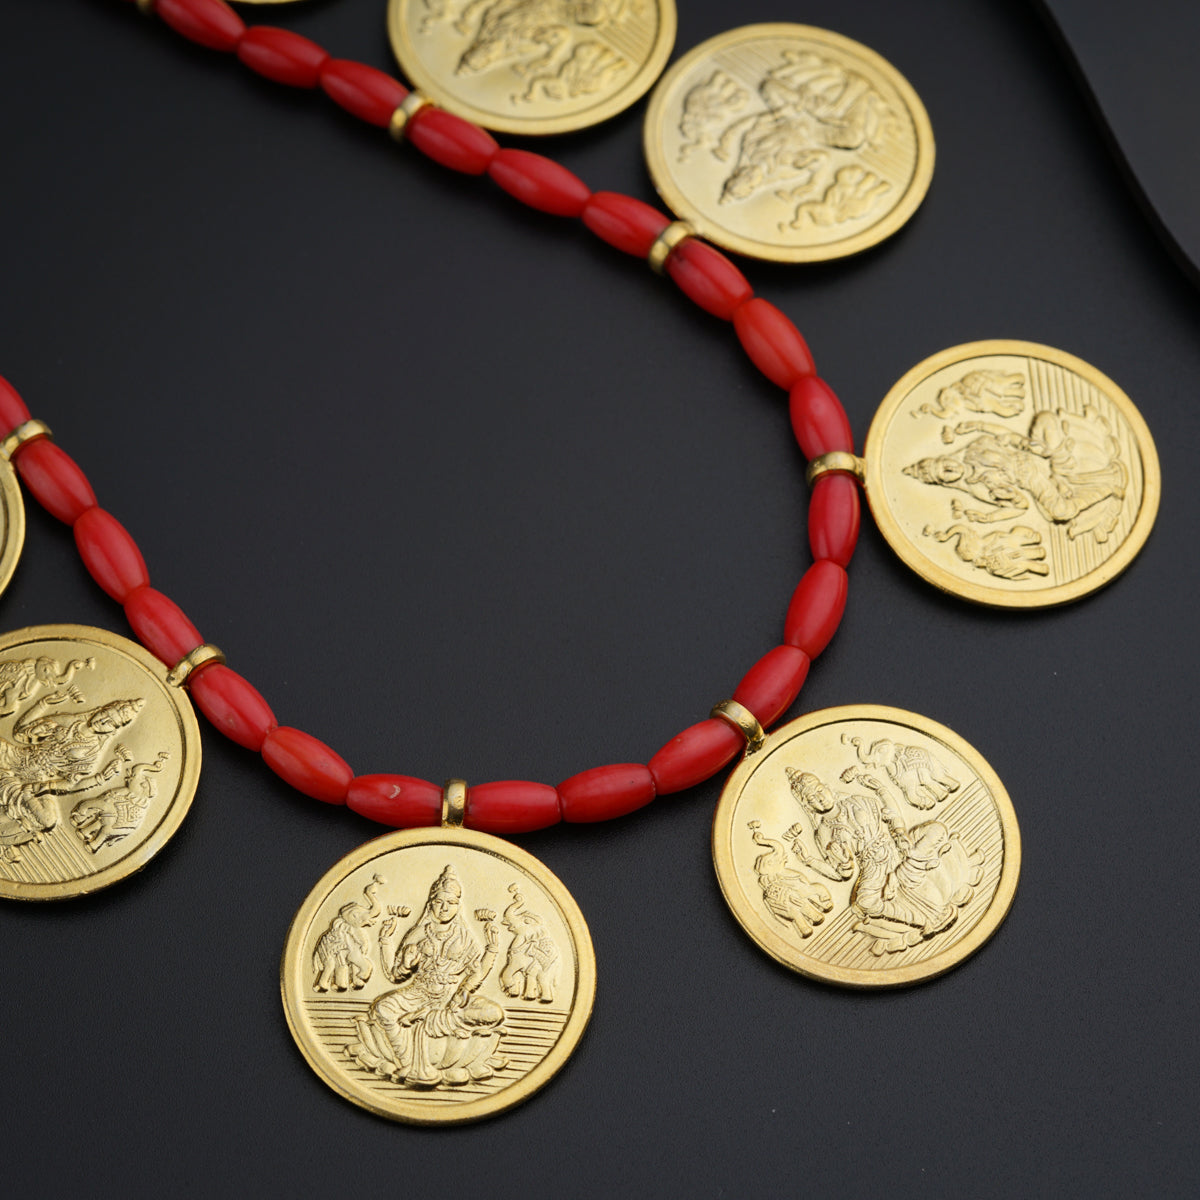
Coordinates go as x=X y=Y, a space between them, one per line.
x=790 y=895
x=531 y=967
x=115 y=814
x=341 y=958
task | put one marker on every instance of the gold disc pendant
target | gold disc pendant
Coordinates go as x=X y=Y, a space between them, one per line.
x=1011 y=474
x=533 y=66
x=99 y=760
x=438 y=975
x=867 y=846
x=12 y=521
x=788 y=143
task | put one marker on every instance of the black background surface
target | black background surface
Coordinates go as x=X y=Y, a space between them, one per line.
x=464 y=492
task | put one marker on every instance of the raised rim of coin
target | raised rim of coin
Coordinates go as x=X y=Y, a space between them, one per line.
x=979 y=593
x=189 y=733
x=13 y=505
x=294 y=966
x=682 y=206
x=787 y=953
x=412 y=64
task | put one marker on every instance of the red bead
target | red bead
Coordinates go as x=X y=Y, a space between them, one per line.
x=110 y=554
x=774 y=344
x=451 y=141
x=281 y=55
x=605 y=792
x=833 y=517
x=818 y=419
x=816 y=608
x=707 y=277
x=624 y=222
x=695 y=755
x=539 y=182
x=512 y=806
x=160 y=625
x=210 y=23
x=396 y=800
x=362 y=91
x=307 y=764
x=12 y=408
x=232 y=705
x=773 y=683
x=54 y=480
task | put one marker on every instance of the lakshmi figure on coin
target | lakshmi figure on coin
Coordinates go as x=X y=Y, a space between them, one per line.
x=433 y=1029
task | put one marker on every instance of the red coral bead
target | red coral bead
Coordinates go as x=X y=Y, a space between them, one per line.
x=54 y=480
x=774 y=344
x=307 y=764
x=281 y=55
x=396 y=800
x=694 y=755
x=606 y=792
x=539 y=182
x=232 y=705
x=833 y=518
x=110 y=554
x=160 y=625
x=816 y=608
x=708 y=278
x=12 y=408
x=512 y=806
x=210 y=23
x=364 y=92
x=773 y=683
x=818 y=419
x=624 y=222
x=451 y=141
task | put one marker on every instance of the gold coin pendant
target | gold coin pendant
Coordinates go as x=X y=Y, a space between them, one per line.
x=533 y=66
x=867 y=846
x=788 y=143
x=12 y=522
x=1012 y=474
x=438 y=975
x=99 y=760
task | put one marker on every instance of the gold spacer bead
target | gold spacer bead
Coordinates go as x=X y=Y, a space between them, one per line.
x=743 y=720
x=28 y=431
x=409 y=107
x=836 y=460
x=666 y=241
x=454 y=803
x=190 y=663
x=146 y=7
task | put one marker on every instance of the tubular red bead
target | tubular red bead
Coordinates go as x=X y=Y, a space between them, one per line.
x=111 y=555
x=210 y=23
x=694 y=755
x=396 y=800
x=364 y=92
x=160 y=625
x=232 y=705
x=282 y=56
x=775 y=346
x=512 y=806
x=307 y=764
x=818 y=419
x=539 y=182
x=773 y=683
x=816 y=608
x=606 y=792
x=451 y=141
x=706 y=277
x=12 y=408
x=624 y=222
x=54 y=480
x=833 y=518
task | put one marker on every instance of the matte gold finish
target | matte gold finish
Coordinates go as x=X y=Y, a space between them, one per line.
x=676 y=232
x=743 y=720
x=28 y=431
x=836 y=460
x=99 y=757
x=437 y=976
x=1012 y=474
x=788 y=143
x=454 y=803
x=533 y=66
x=190 y=663
x=867 y=846
x=408 y=108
